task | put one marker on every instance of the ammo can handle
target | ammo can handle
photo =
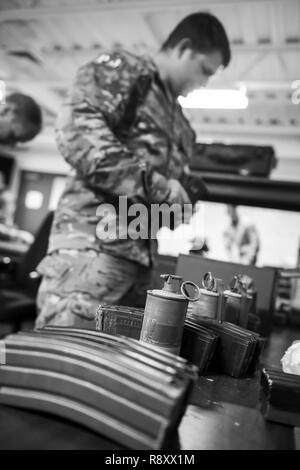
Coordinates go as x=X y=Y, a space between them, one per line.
x=209 y=282
x=185 y=293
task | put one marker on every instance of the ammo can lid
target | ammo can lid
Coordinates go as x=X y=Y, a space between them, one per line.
x=173 y=289
x=229 y=293
x=209 y=292
x=166 y=295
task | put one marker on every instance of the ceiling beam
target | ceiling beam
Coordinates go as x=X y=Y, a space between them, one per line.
x=124 y=5
x=246 y=129
x=251 y=65
x=55 y=85
x=250 y=85
x=266 y=85
x=90 y=51
x=236 y=48
x=259 y=47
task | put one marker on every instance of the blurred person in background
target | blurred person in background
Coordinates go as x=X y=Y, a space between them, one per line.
x=20 y=119
x=241 y=238
x=9 y=232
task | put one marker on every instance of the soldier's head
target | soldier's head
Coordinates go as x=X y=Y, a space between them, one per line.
x=20 y=119
x=195 y=50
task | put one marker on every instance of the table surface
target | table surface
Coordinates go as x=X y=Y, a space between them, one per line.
x=223 y=413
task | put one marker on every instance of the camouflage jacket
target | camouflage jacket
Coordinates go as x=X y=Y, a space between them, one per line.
x=124 y=134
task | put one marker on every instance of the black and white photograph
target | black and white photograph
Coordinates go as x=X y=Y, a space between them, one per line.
x=150 y=227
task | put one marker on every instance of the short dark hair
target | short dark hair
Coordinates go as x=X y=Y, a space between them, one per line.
x=29 y=113
x=205 y=32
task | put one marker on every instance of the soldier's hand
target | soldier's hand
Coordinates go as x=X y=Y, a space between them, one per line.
x=178 y=195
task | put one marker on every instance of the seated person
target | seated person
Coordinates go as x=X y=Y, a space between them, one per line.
x=20 y=119
x=8 y=230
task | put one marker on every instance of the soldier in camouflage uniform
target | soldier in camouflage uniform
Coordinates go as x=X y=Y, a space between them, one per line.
x=124 y=134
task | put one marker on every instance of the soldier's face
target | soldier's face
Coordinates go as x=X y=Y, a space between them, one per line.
x=11 y=129
x=194 y=70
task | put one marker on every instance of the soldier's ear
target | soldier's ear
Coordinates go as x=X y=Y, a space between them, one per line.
x=184 y=45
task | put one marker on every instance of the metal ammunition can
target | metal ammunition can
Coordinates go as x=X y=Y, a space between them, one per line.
x=237 y=308
x=165 y=313
x=206 y=306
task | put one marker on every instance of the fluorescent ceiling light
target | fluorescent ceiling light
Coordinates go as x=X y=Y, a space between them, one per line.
x=215 y=99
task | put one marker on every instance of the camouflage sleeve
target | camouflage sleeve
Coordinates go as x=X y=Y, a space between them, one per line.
x=193 y=184
x=86 y=131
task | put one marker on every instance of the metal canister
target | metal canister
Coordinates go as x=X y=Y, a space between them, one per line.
x=249 y=286
x=165 y=312
x=207 y=305
x=238 y=303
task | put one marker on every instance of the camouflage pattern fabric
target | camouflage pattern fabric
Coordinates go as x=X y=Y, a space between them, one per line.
x=124 y=134
x=75 y=283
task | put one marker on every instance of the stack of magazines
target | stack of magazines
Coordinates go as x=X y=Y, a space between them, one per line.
x=220 y=347
x=120 y=320
x=129 y=392
x=198 y=343
x=238 y=350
